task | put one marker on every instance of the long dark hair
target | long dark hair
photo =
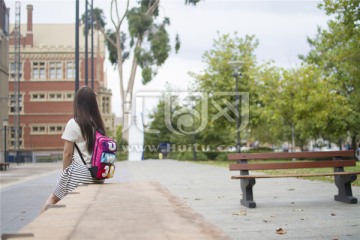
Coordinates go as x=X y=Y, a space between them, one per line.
x=87 y=115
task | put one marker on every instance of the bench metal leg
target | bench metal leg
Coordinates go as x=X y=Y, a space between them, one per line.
x=247 y=191
x=343 y=182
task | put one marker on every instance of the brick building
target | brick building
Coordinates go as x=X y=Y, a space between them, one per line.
x=4 y=74
x=47 y=85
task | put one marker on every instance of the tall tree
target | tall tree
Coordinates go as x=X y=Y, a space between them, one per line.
x=145 y=42
x=217 y=79
x=336 y=51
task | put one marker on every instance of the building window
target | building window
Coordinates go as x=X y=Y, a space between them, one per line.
x=55 y=70
x=54 y=96
x=55 y=129
x=12 y=104
x=12 y=139
x=106 y=105
x=69 y=96
x=38 y=97
x=38 y=70
x=38 y=129
x=70 y=70
x=13 y=70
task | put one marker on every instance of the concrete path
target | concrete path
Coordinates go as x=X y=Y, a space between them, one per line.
x=127 y=210
x=303 y=209
x=24 y=189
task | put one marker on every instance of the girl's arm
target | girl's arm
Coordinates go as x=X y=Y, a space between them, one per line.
x=68 y=153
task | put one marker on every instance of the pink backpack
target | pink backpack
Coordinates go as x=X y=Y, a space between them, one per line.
x=103 y=157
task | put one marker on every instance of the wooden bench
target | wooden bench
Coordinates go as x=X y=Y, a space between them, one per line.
x=3 y=166
x=334 y=159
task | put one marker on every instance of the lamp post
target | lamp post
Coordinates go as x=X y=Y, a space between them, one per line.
x=236 y=74
x=5 y=124
x=77 y=46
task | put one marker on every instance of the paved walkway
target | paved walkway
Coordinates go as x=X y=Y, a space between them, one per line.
x=302 y=209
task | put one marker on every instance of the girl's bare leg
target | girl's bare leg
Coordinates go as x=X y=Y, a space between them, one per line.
x=51 y=200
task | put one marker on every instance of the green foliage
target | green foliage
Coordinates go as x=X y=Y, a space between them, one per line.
x=218 y=77
x=177 y=43
x=194 y=2
x=148 y=39
x=336 y=52
x=98 y=17
x=139 y=22
x=121 y=144
x=112 y=49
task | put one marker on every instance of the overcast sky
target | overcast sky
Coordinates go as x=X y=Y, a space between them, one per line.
x=281 y=27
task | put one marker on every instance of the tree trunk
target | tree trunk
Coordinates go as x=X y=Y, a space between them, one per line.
x=127 y=108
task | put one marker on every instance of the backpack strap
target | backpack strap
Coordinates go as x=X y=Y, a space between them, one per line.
x=81 y=156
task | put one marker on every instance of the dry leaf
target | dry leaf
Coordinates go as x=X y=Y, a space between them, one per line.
x=291 y=189
x=197 y=199
x=241 y=213
x=280 y=231
x=333 y=214
x=298 y=210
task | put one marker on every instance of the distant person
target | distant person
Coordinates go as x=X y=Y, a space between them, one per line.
x=358 y=152
x=285 y=147
x=80 y=130
x=347 y=146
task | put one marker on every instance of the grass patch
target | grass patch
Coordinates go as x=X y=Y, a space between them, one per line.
x=295 y=171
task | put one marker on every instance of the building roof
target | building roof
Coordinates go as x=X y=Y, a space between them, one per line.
x=59 y=36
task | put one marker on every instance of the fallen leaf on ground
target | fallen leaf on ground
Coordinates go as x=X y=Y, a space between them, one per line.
x=197 y=199
x=280 y=231
x=241 y=213
x=298 y=210
x=333 y=214
x=291 y=189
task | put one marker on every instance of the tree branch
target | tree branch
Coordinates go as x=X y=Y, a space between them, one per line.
x=133 y=68
x=126 y=11
x=102 y=30
x=151 y=10
x=111 y=14
x=117 y=15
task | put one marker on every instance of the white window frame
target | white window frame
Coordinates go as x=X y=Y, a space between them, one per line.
x=35 y=96
x=70 y=66
x=38 y=66
x=55 y=129
x=12 y=71
x=38 y=129
x=69 y=96
x=12 y=103
x=55 y=96
x=57 y=68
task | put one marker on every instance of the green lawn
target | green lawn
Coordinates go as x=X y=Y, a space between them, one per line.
x=225 y=164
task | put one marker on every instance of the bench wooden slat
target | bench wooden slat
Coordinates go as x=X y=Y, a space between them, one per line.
x=290 y=165
x=289 y=155
x=294 y=175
